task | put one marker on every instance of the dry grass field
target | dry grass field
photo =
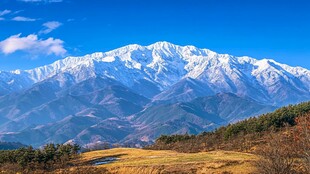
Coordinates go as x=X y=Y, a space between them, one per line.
x=130 y=160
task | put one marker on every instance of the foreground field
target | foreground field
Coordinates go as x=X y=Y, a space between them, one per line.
x=129 y=160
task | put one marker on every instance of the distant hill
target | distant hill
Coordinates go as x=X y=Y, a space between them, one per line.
x=193 y=117
x=105 y=124
x=10 y=145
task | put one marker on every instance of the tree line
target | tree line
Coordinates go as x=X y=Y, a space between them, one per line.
x=285 y=116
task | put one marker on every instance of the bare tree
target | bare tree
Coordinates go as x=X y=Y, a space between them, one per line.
x=277 y=156
x=287 y=152
x=302 y=140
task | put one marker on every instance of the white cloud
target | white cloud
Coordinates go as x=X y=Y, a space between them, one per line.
x=2 y=19
x=32 y=44
x=4 y=12
x=50 y=26
x=23 y=19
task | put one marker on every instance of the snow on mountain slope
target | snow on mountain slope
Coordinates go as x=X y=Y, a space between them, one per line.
x=163 y=64
x=115 y=88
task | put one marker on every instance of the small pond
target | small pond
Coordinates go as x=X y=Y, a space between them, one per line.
x=106 y=160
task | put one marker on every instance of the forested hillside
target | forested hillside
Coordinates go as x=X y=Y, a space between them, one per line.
x=241 y=136
x=28 y=159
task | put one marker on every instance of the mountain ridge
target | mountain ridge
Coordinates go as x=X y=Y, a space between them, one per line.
x=164 y=64
x=130 y=87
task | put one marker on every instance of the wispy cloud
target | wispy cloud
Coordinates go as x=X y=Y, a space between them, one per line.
x=23 y=19
x=16 y=12
x=4 y=12
x=32 y=44
x=2 y=19
x=50 y=26
x=48 y=1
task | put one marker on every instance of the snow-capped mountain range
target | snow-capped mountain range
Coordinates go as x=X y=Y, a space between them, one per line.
x=163 y=64
x=136 y=93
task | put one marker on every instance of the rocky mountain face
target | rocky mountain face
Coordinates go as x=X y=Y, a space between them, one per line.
x=135 y=93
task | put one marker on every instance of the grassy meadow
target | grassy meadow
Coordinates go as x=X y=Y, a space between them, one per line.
x=129 y=160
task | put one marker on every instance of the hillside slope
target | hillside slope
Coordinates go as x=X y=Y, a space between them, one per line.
x=244 y=135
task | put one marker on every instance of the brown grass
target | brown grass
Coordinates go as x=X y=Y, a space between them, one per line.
x=132 y=160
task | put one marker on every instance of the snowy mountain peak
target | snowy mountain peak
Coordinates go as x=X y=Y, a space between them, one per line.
x=163 y=46
x=164 y=64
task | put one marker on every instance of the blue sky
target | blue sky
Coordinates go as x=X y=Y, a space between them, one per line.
x=38 y=32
